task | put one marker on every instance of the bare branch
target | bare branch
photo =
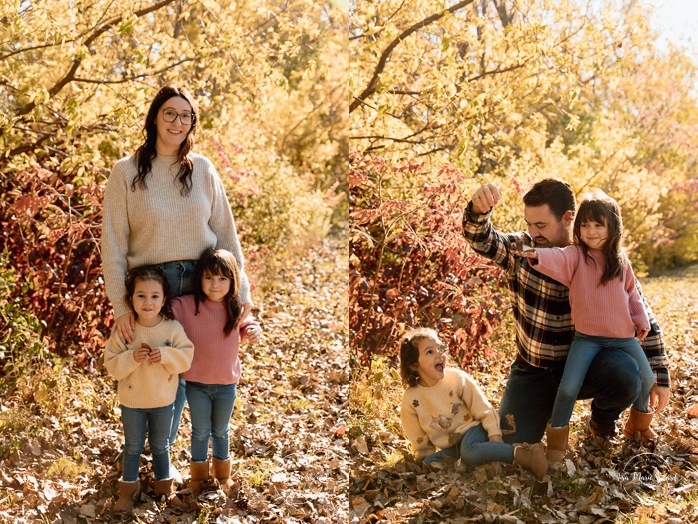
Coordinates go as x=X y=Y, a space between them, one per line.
x=135 y=77
x=45 y=46
x=77 y=62
x=373 y=83
x=498 y=71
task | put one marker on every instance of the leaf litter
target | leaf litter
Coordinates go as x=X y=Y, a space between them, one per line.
x=288 y=434
x=602 y=480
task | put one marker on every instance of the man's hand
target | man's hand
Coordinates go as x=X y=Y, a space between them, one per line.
x=485 y=198
x=659 y=399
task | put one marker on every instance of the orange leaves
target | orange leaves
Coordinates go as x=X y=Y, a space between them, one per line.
x=417 y=268
x=27 y=207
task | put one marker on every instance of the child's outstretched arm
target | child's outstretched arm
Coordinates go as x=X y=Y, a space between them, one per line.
x=481 y=408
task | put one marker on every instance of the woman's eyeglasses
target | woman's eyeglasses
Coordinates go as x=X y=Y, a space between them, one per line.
x=170 y=115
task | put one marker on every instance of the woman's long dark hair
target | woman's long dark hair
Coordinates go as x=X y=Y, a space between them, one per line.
x=219 y=262
x=146 y=153
x=597 y=206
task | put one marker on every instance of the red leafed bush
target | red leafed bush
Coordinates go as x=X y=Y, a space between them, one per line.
x=409 y=263
x=51 y=227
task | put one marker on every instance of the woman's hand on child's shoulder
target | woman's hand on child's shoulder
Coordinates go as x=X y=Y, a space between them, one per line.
x=123 y=328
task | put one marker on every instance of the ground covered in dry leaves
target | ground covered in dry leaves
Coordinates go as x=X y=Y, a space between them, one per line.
x=602 y=481
x=60 y=437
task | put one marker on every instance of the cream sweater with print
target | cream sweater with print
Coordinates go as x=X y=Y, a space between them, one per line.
x=158 y=224
x=438 y=416
x=145 y=385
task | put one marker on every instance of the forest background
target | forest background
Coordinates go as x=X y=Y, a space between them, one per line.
x=446 y=97
x=76 y=79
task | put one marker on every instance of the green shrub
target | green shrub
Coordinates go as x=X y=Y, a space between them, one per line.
x=21 y=336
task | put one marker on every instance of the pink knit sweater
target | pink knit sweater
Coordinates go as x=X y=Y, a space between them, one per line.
x=613 y=310
x=215 y=355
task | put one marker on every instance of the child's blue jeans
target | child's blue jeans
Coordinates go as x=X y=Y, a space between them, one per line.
x=210 y=407
x=475 y=449
x=179 y=273
x=582 y=351
x=156 y=422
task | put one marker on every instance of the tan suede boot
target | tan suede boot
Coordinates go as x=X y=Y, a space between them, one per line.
x=166 y=488
x=128 y=494
x=532 y=458
x=639 y=422
x=221 y=471
x=556 y=440
x=199 y=476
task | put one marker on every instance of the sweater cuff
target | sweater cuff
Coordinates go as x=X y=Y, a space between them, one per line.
x=471 y=216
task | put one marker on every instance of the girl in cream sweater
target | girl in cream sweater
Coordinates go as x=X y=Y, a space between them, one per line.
x=445 y=415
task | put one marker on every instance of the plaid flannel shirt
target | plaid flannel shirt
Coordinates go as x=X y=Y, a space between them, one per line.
x=544 y=327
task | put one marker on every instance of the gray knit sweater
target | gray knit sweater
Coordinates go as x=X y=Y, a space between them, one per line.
x=158 y=224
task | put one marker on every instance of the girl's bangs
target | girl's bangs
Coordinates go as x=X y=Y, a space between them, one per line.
x=218 y=266
x=591 y=211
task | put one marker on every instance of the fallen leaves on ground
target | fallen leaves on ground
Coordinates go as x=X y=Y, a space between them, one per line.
x=288 y=433
x=602 y=480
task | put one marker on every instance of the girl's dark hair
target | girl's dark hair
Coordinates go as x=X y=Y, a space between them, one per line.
x=220 y=262
x=597 y=206
x=557 y=194
x=146 y=153
x=149 y=273
x=409 y=354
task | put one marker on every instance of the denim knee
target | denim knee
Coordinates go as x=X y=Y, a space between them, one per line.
x=134 y=448
x=566 y=395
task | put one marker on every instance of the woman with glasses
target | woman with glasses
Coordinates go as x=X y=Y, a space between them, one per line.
x=165 y=205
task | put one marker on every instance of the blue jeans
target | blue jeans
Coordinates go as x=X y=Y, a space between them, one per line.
x=582 y=352
x=179 y=275
x=156 y=422
x=475 y=449
x=612 y=381
x=211 y=406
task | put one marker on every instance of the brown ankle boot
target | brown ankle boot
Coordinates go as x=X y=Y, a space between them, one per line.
x=639 y=422
x=199 y=476
x=532 y=458
x=221 y=471
x=556 y=440
x=166 y=488
x=128 y=494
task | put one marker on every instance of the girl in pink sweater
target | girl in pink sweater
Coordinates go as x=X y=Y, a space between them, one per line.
x=606 y=309
x=211 y=319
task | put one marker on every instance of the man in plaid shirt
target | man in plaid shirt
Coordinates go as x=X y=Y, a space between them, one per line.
x=544 y=328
